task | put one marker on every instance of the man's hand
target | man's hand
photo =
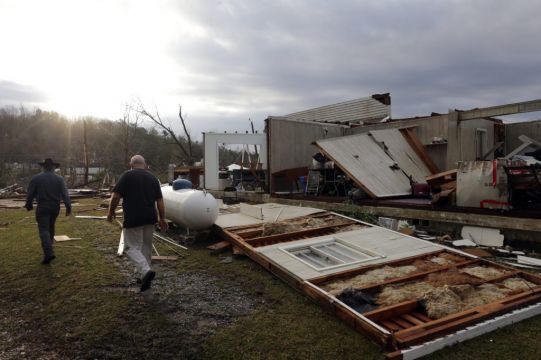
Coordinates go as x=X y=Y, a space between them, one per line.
x=111 y=216
x=163 y=225
x=68 y=211
x=29 y=207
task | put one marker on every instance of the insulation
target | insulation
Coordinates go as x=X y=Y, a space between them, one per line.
x=394 y=294
x=452 y=277
x=384 y=273
x=292 y=226
x=483 y=294
x=371 y=277
x=484 y=272
x=450 y=299
x=441 y=302
x=518 y=283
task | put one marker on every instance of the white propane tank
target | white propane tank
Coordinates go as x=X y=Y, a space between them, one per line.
x=193 y=209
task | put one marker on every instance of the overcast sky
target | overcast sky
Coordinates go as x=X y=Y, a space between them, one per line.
x=227 y=61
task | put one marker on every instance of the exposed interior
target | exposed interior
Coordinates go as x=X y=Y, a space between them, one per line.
x=399 y=299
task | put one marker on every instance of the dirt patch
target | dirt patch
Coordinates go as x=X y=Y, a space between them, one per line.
x=16 y=344
x=197 y=302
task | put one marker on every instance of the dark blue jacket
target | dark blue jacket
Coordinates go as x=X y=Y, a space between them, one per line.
x=48 y=188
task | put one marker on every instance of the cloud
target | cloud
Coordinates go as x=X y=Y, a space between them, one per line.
x=285 y=56
x=229 y=60
x=12 y=93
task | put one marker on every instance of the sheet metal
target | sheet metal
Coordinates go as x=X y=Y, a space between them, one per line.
x=389 y=244
x=271 y=213
x=402 y=153
x=356 y=110
x=367 y=164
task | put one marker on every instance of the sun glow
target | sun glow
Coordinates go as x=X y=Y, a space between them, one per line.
x=92 y=57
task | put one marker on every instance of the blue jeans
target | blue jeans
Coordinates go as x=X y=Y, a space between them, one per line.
x=46 y=217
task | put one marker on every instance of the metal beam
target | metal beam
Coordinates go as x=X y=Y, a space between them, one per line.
x=516 y=108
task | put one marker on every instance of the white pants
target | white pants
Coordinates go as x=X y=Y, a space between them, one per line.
x=138 y=247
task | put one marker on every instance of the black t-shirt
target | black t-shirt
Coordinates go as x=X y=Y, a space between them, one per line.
x=139 y=190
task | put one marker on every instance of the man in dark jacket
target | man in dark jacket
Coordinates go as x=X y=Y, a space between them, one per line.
x=141 y=192
x=48 y=189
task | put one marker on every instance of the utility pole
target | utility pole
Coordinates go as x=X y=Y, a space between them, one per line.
x=85 y=149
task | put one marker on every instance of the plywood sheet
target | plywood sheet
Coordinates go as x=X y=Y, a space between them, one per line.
x=367 y=164
x=402 y=153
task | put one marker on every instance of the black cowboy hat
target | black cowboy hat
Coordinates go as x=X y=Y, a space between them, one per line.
x=49 y=162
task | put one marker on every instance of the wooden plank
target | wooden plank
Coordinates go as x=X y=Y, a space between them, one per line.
x=390 y=325
x=164 y=258
x=459 y=320
x=401 y=322
x=419 y=149
x=462 y=323
x=391 y=311
x=412 y=319
x=219 y=246
x=444 y=174
x=60 y=238
x=421 y=316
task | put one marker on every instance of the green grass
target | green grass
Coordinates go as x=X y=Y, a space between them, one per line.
x=67 y=309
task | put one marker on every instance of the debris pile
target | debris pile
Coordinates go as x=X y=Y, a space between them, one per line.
x=12 y=191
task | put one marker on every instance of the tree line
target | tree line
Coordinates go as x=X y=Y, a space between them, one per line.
x=27 y=136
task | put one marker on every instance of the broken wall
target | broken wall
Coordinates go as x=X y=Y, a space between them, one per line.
x=532 y=129
x=290 y=143
x=426 y=129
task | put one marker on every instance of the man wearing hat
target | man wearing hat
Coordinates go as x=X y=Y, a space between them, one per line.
x=48 y=188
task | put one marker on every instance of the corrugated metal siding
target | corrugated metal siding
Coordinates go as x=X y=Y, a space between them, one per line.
x=426 y=128
x=402 y=153
x=367 y=164
x=290 y=142
x=344 y=112
x=532 y=129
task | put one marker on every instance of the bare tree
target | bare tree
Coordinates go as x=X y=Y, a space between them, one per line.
x=129 y=123
x=156 y=119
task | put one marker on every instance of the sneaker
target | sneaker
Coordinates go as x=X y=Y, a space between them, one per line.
x=47 y=260
x=147 y=280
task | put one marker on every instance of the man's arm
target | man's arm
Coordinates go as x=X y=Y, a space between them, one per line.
x=66 y=198
x=161 y=214
x=30 y=195
x=113 y=203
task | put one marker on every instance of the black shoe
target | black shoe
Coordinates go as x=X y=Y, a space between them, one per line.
x=147 y=280
x=47 y=260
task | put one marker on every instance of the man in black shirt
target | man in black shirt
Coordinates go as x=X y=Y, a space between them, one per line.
x=141 y=192
x=48 y=189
